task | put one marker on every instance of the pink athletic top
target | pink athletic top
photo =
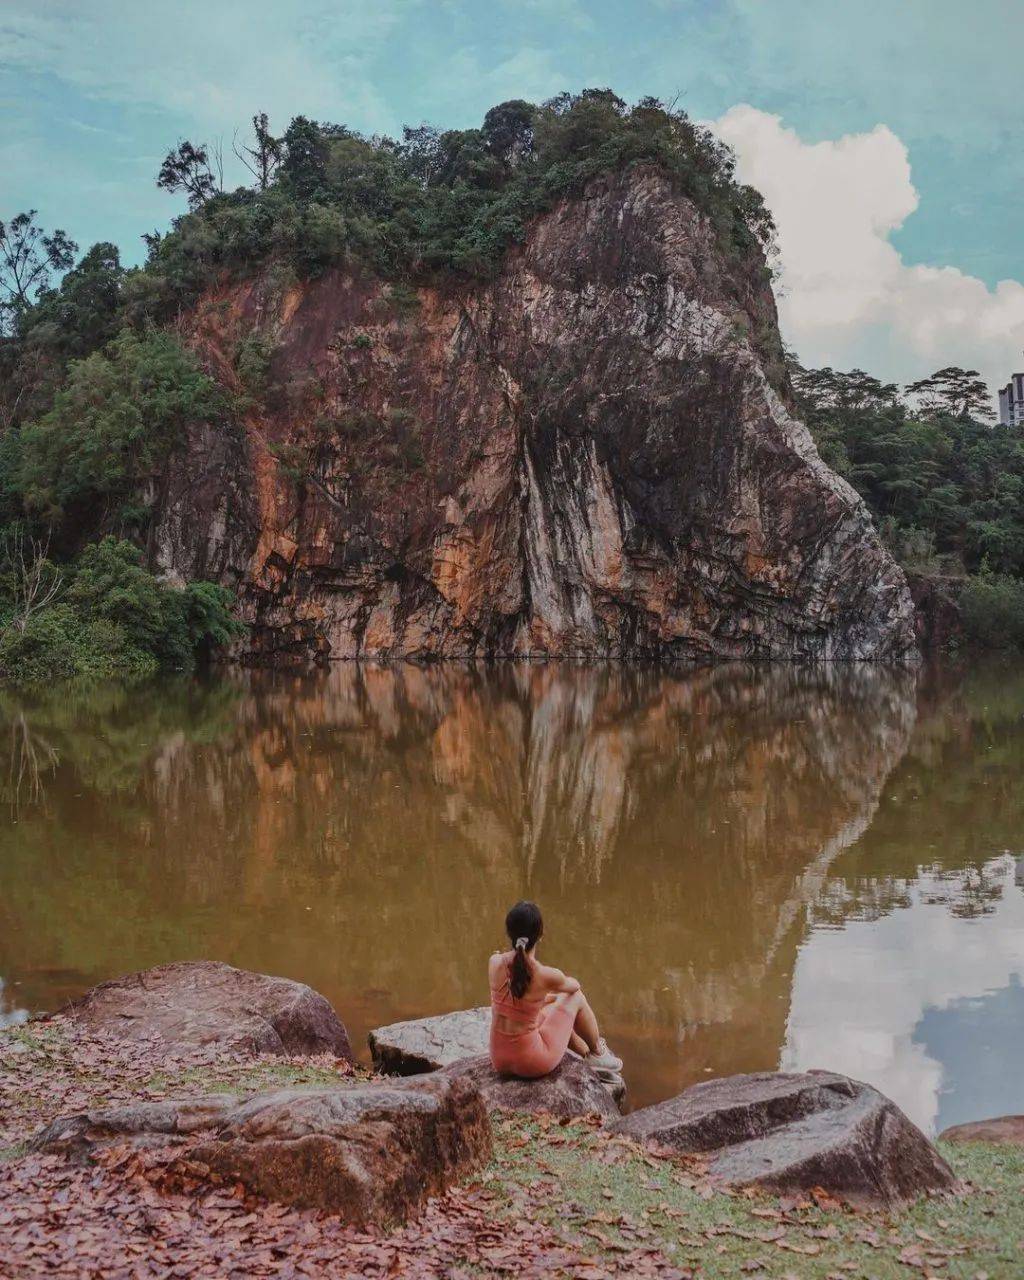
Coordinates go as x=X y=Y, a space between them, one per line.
x=524 y=1010
x=539 y=1043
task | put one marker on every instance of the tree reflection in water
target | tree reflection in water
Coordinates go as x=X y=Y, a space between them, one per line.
x=365 y=828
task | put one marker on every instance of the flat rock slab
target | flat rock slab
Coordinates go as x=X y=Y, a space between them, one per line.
x=203 y=1002
x=572 y=1089
x=371 y=1153
x=428 y=1044
x=1008 y=1130
x=790 y=1132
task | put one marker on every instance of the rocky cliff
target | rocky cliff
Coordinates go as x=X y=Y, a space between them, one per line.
x=583 y=456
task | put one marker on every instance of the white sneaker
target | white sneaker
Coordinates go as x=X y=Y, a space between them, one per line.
x=604 y=1061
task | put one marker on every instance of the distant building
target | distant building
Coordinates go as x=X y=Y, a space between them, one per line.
x=1011 y=402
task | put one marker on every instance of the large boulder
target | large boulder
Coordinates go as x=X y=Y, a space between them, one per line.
x=572 y=1089
x=787 y=1131
x=427 y=1044
x=207 y=1003
x=1004 y=1130
x=371 y=1153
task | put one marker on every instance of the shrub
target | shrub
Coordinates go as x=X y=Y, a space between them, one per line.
x=444 y=201
x=992 y=608
x=110 y=583
x=113 y=424
x=252 y=363
x=113 y=619
x=60 y=644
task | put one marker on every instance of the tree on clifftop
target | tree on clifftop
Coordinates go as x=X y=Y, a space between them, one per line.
x=263 y=156
x=28 y=258
x=187 y=168
x=305 y=160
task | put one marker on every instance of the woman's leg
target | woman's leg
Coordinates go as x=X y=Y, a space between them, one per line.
x=578 y=1045
x=585 y=1025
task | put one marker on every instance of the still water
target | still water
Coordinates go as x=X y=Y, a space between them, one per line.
x=746 y=867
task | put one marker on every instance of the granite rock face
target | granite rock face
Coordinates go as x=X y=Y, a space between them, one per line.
x=592 y=454
x=204 y=1002
x=572 y=1089
x=1008 y=1130
x=371 y=1153
x=791 y=1132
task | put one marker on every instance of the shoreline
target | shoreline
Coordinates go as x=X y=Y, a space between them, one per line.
x=557 y=1198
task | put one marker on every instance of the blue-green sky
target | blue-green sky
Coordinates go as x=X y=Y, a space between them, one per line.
x=93 y=93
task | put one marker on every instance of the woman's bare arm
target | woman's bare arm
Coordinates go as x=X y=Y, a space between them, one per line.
x=555 y=982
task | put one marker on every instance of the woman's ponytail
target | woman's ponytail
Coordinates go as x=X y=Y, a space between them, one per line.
x=519 y=974
x=524 y=925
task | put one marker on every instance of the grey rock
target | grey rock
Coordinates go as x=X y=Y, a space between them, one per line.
x=206 y=1003
x=427 y=1044
x=371 y=1153
x=571 y=1090
x=788 y=1131
x=1001 y=1130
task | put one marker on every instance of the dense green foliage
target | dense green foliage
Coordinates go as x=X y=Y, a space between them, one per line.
x=101 y=615
x=449 y=201
x=945 y=486
x=90 y=410
x=113 y=424
x=992 y=605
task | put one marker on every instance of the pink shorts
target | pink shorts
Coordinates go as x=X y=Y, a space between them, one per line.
x=536 y=1052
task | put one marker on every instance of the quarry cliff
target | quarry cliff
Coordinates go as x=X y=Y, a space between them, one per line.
x=592 y=454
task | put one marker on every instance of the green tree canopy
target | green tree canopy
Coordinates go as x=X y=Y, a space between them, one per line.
x=112 y=425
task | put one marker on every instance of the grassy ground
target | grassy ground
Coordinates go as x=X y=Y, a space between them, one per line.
x=605 y=1199
x=609 y=1195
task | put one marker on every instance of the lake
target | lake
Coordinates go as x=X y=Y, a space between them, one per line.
x=746 y=867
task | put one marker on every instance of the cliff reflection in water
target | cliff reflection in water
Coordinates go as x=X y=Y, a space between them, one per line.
x=364 y=829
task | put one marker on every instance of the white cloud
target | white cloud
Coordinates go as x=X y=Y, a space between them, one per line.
x=848 y=298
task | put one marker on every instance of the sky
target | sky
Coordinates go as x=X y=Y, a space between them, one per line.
x=884 y=135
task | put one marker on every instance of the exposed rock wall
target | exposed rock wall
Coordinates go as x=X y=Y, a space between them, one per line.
x=584 y=456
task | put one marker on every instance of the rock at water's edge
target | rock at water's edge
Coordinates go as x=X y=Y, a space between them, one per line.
x=1005 y=1130
x=572 y=1089
x=371 y=1153
x=788 y=1131
x=427 y=1044
x=208 y=1003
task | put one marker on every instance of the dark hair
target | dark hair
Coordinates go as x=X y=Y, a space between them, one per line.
x=524 y=924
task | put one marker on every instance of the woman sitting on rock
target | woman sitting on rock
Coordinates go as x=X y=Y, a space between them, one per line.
x=536 y=1011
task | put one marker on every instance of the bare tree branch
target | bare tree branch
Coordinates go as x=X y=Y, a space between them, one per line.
x=35 y=583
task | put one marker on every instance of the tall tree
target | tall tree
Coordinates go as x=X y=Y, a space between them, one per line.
x=305 y=157
x=28 y=259
x=508 y=130
x=961 y=393
x=264 y=154
x=187 y=168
